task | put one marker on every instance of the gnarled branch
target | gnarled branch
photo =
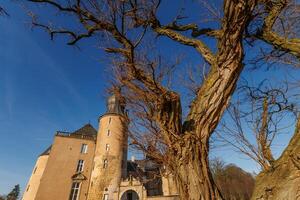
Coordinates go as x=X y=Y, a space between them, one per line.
x=267 y=34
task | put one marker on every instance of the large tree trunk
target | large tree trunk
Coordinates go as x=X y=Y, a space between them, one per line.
x=282 y=181
x=192 y=173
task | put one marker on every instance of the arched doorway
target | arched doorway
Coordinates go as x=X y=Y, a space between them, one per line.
x=130 y=195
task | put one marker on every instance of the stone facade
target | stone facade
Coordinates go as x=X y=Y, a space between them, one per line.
x=36 y=175
x=91 y=165
x=109 y=163
x=61 y=168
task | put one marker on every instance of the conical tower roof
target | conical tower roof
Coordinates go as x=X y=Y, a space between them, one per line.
x=115 y=105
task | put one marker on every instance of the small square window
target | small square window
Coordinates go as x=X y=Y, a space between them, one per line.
x=84 y=148
x=107 y=147
x=105 y=163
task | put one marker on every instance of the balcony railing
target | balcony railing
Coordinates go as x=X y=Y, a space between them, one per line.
x=68 y=134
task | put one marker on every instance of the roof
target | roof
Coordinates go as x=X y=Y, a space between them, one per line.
x=85 y=132
x=142 y=165
x=115 y=105
x=87 y=129
x=148 y=173
x=47 y=151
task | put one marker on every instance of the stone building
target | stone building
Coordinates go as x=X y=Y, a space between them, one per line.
x=91 y=165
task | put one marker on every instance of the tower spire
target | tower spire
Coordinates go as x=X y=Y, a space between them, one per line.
x=115 y=104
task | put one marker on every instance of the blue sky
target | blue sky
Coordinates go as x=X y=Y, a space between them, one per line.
x=47 y=86
x=44 y=87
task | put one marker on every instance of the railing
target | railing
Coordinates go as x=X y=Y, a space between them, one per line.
x=68 y=134
x=63 y=133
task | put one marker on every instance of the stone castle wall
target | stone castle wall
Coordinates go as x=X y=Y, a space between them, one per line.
x=106 y=179
x=35 y=178
x=61 y=167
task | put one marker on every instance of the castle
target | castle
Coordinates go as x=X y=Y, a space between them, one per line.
x=90 y=165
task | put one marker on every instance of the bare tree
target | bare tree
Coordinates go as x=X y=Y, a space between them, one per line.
x=3 y=11
x=276 y=23
x=255 y=120
x=182 y=144
x=268 y=114
x=277 y=32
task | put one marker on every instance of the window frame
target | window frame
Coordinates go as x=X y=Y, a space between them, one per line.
x=105 y=163
x=107 y=146
x=80 y=166
x=75 y=191
x=84 y=148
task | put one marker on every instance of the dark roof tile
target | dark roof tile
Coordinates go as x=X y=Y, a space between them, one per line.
x=87 y=129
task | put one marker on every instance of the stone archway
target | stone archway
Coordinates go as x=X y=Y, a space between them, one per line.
x=130 y=195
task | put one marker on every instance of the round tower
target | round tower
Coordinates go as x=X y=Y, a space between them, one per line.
x=110 y=161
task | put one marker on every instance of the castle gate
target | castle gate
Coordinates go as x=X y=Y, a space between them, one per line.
x=130 y=195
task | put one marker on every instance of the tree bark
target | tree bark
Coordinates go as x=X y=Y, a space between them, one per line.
x=192 y=173
x=262 y=138
x=282 y=181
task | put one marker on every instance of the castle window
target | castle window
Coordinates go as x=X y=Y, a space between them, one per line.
x=105 y=163
x=107 y=147
x=74 y=191
x=80 y=166
x=109 y=120
x=84 y=148
x=105 y=197
x=34 y=170
x=108 y=132
x=28 y=188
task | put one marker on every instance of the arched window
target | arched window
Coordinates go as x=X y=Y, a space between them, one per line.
x=130 y=195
